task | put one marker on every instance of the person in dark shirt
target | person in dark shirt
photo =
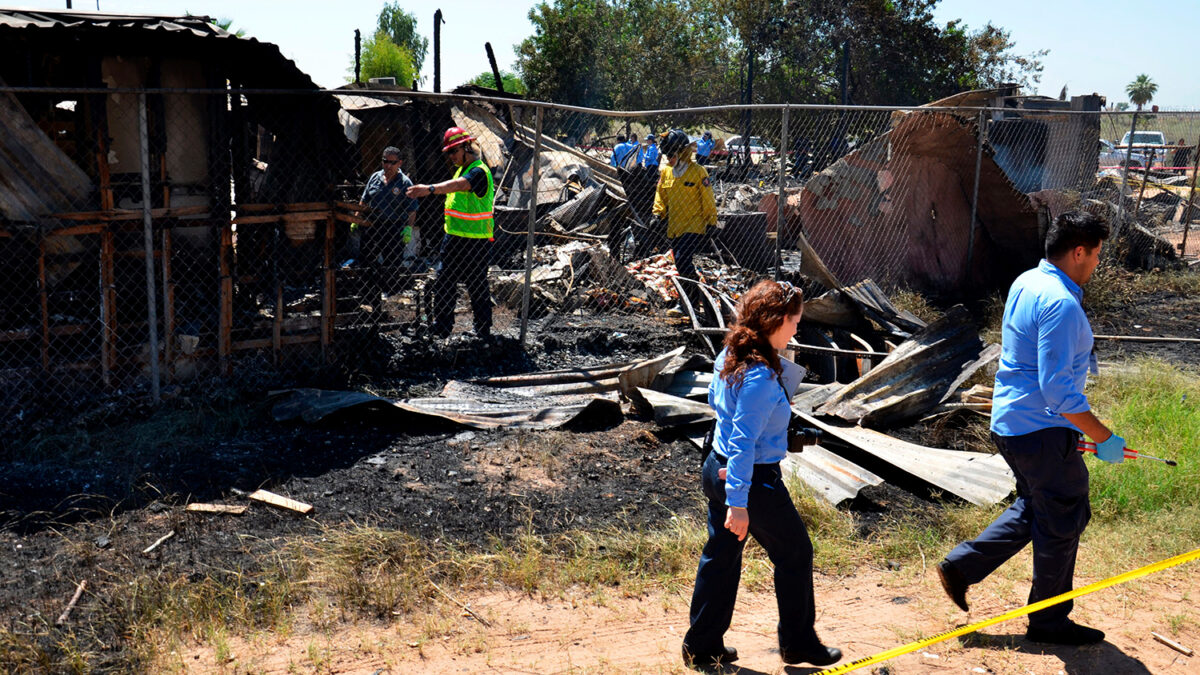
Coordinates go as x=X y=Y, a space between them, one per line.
x=390 y=227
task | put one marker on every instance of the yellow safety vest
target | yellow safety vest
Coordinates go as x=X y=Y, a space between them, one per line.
x=467 y=214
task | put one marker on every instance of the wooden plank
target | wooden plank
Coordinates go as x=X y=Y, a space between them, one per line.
x=95 y=228
x=231 y=509
x=307 y=206
x=256 y=220
x=284 y=341
x=132 y=214
x=280 y=501
x=305 y=217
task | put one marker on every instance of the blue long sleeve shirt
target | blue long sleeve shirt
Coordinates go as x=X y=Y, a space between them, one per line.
x=621 y=153
x=704 y=147
x=1046 y=348
x=649 y=156
x=752 y=421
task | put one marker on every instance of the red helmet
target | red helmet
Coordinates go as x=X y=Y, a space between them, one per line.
x=454 y=137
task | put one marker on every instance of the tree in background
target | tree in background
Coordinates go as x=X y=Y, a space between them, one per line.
x=642 y=54
x=512 y=83
x=383 y=58
x=401 y=27
x=1141 y=91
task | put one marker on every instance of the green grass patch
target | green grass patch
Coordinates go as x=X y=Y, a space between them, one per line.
x=1156 y=408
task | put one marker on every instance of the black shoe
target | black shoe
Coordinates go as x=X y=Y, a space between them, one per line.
x=709 y=659
x=818 y=656
x=1071 y=634
x=953 y=583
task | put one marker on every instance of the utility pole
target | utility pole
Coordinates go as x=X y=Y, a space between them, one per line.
x=437 y=51
x=357 y=56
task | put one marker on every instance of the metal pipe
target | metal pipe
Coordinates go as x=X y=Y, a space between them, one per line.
x=780 y=207
x=148 y=245
x=533 y=199
x=975 y=198
x=1124 y=182
x=1187 y=212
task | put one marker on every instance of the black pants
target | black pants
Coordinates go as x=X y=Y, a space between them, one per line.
x=464 y=260
x=683 y=249
x=777 y=527
x=1051 y=511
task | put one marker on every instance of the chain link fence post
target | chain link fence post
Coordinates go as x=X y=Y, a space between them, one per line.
x=533 y=200
x=982 y=133
x=1116 y=230
x=781 y=207
x=148 y=246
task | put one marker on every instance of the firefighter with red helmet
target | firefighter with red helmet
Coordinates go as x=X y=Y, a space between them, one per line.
x=466 y=245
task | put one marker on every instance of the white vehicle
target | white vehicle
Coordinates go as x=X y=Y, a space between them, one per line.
x=734 y=145
x=1149 y=148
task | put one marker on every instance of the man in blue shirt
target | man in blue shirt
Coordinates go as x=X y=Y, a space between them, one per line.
x=624 y=155
x=704 y=147
x=392 y=219
x=1038 y=413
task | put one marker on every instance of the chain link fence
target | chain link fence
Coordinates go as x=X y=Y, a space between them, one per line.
x=157 y=235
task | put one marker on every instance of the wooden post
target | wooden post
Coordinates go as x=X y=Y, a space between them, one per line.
x=225 y=292
x=329 y=296
x=108 y=307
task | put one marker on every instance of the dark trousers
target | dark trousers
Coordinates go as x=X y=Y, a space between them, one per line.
x=683 y=249
x=1051 y=511
x=464 y=260
x=778 y=528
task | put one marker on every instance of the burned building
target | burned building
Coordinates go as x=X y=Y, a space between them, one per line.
x=96 y=103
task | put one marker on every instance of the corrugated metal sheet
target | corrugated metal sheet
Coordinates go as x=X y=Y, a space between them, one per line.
x=834 y=478
x=977 y=477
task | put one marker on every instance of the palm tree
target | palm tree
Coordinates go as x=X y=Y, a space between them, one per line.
x=1141 y=90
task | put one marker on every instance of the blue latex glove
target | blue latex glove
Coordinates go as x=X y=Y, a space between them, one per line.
x=1111 y=450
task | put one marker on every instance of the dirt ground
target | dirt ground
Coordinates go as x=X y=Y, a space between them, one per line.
x=61 y=523
x=864 y=614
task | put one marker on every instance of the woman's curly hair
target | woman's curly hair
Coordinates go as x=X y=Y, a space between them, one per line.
x=760 y=312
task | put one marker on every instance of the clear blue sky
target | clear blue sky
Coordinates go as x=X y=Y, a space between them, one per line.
x=1088 y=51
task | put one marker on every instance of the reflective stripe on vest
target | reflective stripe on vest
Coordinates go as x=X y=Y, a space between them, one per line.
x=467 y=214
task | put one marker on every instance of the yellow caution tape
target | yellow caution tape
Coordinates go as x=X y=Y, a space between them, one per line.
x=1020 y=611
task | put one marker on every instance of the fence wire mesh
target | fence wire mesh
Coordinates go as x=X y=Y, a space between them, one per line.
x=156 y=235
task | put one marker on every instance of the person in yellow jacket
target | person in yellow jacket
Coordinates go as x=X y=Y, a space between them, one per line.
x=684 y=200
x=466 y=246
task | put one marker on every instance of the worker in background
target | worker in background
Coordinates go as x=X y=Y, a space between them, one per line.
x=704 y=147
x=1181 y=160
x=1039 y=412
x=390 y=226
x=466 y=245
x=684 y=201
x=648 y=156
x=625 y=153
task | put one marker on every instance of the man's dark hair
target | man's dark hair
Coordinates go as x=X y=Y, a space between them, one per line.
x=621 y=138
x=1074 y=228
x=391 y=150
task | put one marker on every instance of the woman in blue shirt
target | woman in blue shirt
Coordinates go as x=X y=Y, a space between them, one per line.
x=744 y=486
